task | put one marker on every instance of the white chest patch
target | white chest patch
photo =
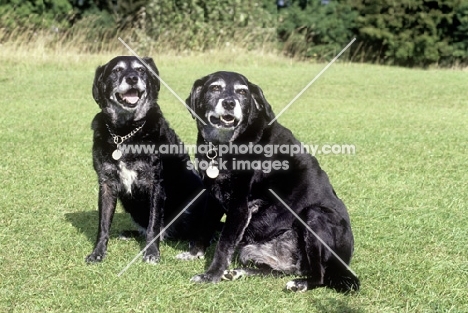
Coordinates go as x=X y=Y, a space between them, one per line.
x=127 y=177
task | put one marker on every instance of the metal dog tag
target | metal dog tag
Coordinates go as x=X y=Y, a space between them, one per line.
x=117 y=154
x=212 y=171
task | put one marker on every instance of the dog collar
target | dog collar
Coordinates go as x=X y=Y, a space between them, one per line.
x=118 y=140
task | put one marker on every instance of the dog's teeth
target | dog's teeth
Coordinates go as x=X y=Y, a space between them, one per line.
x=227 y=122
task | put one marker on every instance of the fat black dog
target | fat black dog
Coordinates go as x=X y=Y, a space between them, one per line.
x=231 y=110
x=152 y=187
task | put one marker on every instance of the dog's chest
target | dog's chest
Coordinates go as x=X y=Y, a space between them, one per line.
x=128 y=176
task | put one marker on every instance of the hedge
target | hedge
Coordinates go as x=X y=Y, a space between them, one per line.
x=400 y=32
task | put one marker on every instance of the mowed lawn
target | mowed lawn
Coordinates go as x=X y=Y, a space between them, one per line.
x=405 y=188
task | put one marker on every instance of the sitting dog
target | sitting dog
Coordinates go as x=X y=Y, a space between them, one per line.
x=267 y=234
x=153 y=188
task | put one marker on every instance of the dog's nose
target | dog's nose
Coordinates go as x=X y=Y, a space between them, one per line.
x=132 y=79
x=229 y=104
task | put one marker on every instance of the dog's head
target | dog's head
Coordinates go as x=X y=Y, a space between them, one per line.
x=126 y=88
x=228 y=104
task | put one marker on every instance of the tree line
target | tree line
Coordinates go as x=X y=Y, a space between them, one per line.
x=399 y=32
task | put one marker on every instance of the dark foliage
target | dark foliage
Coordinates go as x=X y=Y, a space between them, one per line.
x=406 y=33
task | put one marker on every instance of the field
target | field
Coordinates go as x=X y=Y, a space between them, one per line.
x=405 y=187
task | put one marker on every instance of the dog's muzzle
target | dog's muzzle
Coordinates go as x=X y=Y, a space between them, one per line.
x=227 y=114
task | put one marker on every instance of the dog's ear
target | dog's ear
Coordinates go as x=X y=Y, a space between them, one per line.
x=153 y=70
x=260 y=102
x=194 y=96
x=98 y=85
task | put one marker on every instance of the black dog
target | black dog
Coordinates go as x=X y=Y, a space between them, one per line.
x=152 y=187
x=267 y=234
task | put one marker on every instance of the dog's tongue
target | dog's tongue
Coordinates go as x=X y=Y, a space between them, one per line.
x=131 y=96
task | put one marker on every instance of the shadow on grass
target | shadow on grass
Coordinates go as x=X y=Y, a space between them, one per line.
x=333 y=305
x=87 y=223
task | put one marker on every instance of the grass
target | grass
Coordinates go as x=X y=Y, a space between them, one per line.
x=405 y=187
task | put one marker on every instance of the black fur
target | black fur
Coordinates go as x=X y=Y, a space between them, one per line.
x=153 y=188
x=263 y=229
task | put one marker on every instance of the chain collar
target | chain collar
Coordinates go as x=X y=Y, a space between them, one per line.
x=120 y=139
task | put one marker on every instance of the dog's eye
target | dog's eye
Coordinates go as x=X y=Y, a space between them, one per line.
x=117 y=69
x=215 y=88
x=242 y=91
x=140 y=69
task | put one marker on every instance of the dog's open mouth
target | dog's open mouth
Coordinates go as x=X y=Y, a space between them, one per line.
x=129 y=98
x=225 y=121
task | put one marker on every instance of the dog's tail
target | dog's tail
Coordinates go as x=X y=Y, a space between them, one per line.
x=342 y=280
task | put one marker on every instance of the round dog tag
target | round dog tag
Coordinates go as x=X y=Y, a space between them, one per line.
x=212 y=171
x=117 y=154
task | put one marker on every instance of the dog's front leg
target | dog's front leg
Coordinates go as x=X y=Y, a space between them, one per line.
x=155 y=224
x=237 y=220
x=106 y=203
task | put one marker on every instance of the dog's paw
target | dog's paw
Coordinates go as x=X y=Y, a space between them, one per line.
x=152 y=254
x=151 y=258
x=204 y=278
x=94 y=258
x=297 y=285
x=187 y=256
x=233 y=274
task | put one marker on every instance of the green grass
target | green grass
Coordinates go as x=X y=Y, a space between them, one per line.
x=406 y=188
